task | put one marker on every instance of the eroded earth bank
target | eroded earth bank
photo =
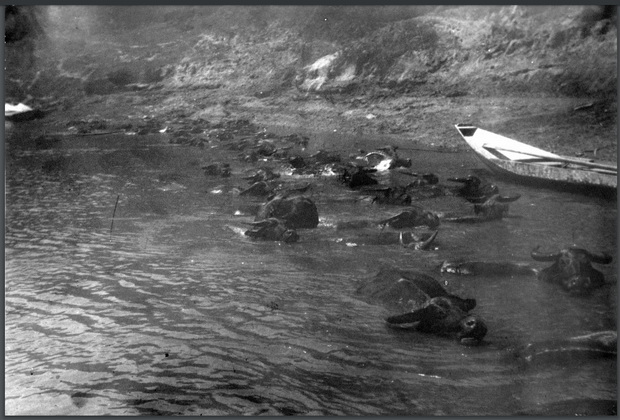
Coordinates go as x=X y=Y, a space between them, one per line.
x=543 y=75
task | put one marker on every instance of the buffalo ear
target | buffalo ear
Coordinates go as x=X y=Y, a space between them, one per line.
x=469 y=304
x=465 y=305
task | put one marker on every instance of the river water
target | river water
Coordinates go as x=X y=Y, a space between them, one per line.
x=165 y=310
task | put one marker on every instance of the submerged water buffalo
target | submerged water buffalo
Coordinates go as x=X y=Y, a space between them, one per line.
x=271 y=189
x=262 y=174
x=474 y=189
x=412 y=218
x=357 y=176
x=425 y=186
x=407 y=219
x=412 y=240
x=258 y=189
x=572 y=268
x=296 y=212
x=315 y=164
x=394 y=195
x=217 y=169
x=272 y=229
x=323 y=157
x=594 y=345
x=423 y=180
x=428 y=307
x=486 y=268
x=386 y=158
x=493 y=208
x=415 y=241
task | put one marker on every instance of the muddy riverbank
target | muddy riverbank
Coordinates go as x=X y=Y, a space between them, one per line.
x=412 y=123
x=542 y=75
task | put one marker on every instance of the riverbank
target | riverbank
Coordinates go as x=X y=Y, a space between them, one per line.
x=568 y=126
x=544 y=76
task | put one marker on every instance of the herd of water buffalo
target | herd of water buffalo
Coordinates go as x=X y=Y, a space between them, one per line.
x=425 y=305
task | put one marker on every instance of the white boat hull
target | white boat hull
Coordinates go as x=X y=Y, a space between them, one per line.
x=522 y=162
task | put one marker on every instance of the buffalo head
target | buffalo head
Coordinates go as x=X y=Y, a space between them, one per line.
x=272 y=229
x=472 y=328
x=572 y=268
x=412 y=218
x=495 y=207
x=296 y=212
x=474 y=189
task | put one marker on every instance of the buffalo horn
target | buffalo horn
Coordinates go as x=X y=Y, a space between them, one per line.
x=425 y=244
x=458 y=179
x=603 y=258
x=508 y=198
x=539 y=256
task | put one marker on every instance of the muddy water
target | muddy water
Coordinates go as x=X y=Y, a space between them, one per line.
x=169 y=311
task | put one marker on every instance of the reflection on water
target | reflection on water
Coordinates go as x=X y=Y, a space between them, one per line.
x=171 y=312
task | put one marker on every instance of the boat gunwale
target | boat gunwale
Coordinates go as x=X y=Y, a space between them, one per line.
x=531 y=172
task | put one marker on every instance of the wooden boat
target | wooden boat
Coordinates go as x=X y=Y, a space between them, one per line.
x=525 y=163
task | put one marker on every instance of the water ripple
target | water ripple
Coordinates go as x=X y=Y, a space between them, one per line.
x=169 y=312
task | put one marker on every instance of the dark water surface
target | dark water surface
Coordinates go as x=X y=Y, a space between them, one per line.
x=172 y=312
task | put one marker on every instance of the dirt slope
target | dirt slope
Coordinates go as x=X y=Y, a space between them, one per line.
x=546 y=75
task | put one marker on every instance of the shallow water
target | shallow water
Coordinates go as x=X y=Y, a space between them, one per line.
x=163 y=309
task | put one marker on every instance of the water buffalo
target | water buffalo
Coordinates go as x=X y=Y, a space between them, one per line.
x=217 y=169
x=411 y=240
x=358 y=176
x=423 y=180
x=593 y=345
x=270 y=189
x=425 y=186
x=429 y=307
x=258 y=189
x=263 y=174
x=486 y=268
x=394 y=195
x=494 y=208
x=296 y=212
x=406 y=219
x=412 y=218
x=417 y=241
x=385 y=159
x=262 y=150
x=474 y=189
x=323 y=157
x=297 y=162
x=284 y=190
x=272 y=229
x=572 y=268
x=315 y=164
